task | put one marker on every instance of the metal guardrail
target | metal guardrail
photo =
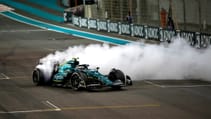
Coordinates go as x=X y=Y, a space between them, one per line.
x=196 y=39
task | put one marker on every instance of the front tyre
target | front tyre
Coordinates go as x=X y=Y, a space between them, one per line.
x=129 y=82
x=117 y=77
x=38 y=77
x=78 y=80
x=116 y=74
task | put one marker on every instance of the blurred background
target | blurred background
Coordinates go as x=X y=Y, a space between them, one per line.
x=191 y=15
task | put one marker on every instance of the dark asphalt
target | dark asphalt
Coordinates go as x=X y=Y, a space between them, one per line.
x=21 y=46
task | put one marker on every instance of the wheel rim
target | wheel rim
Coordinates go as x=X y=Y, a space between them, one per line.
x=75 y=82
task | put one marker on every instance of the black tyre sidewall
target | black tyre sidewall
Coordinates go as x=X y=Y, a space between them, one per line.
x=116 y=74
x=38 y=78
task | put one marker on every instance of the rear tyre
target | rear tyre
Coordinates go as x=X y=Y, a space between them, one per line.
x=38 y=77
x=78 y=81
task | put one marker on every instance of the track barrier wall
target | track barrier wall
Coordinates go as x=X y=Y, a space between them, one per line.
x=196 y=39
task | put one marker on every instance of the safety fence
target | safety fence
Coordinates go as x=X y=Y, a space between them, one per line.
x=196 y=39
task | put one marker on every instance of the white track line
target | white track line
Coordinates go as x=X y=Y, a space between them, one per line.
x=5 y=76
x=83 y=108
x=176 y=86
x=185 y=86
x=54 y=106
x=29 y=30
x=74 y=30
x=154 y=84
x=19 y=77
x=28 y=111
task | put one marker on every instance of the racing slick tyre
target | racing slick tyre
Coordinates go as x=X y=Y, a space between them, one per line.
x=116 y=74
x=38 y=77
x=129 y=81
x=78 y=80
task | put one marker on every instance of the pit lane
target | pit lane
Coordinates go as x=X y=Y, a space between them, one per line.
x=21 y=46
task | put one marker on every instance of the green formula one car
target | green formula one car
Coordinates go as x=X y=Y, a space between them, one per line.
x=79 y=76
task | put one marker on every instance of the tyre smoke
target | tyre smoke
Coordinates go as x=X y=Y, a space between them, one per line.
x=177 y=60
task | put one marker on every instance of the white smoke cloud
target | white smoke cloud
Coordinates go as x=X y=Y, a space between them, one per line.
x=178 y=60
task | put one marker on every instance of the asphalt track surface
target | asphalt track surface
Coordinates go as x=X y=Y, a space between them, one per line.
x=21 y=46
